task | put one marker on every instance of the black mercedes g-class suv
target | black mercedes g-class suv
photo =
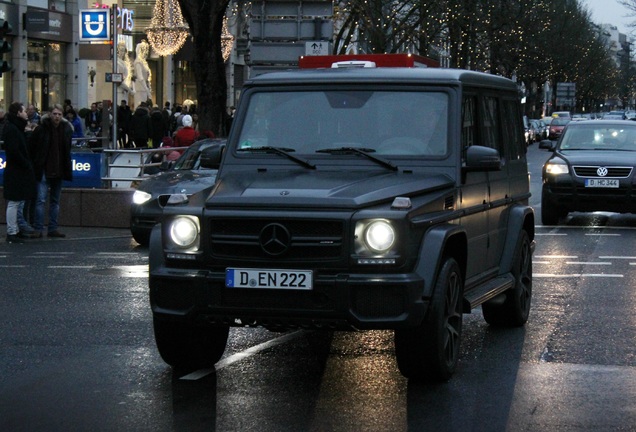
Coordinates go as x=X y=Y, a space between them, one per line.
x=354 y=199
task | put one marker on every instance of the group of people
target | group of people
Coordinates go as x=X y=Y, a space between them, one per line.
x=150 y=126
x=38 y=154
x=38 y=160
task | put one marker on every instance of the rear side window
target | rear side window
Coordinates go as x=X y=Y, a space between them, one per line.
x=469 y=121
x=493 y=121
x=511 y=129
x=490 y=123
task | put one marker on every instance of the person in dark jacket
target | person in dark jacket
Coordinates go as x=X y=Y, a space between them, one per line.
x=158 y=126
x=50 y=149
x=124 y=115
x=94 y=121
x=140 y=127
x=19 y=179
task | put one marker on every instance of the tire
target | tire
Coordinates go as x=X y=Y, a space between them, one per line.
x=550 y=214
x=183 y=345
x=515 y=309
x=430 y=351
x=141 y=237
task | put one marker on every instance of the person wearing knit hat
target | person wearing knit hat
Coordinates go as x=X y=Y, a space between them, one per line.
x=187 y=134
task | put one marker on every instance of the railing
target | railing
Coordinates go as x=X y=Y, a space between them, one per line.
x=134 y=167
x=89 y=143
x=118 y=172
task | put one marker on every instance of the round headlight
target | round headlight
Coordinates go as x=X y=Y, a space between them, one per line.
x=379 y=236
x=184 y=231
x=140 y=197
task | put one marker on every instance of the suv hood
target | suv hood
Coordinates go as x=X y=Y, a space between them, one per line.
x=182 y=181
x=325 y=189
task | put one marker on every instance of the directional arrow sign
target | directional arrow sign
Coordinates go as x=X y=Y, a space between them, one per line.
x=317 y=48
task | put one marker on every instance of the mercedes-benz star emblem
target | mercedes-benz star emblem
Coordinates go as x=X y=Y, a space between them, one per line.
x=275 y=239
x=601 y=172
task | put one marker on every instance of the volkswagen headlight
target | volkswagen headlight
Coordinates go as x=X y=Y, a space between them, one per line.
x=556 y=168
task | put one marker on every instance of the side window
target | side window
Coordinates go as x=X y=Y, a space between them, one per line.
x=469 y=121
x=490 y=123
x=512 y=131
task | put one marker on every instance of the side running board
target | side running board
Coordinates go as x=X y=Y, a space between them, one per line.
x=489 y=290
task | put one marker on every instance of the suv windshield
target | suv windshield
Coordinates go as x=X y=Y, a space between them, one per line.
x=384 y=122
x=591 y=137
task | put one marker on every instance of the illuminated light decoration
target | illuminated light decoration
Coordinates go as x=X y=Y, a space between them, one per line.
x=167 y=32
x=227 y=41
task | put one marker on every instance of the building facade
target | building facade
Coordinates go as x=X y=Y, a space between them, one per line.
x=49 y=63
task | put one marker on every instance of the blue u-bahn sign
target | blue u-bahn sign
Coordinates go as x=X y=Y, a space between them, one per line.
x=87 y=170
x=94 y=25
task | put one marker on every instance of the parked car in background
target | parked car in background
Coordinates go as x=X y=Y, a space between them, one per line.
x=188 y=175
x=592 y=169
x=528 y=131
x=541 y=129
x=562 y=114
x=614 y=115
x=556 y=127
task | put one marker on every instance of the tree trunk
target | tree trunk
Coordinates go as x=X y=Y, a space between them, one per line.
x=205 y=18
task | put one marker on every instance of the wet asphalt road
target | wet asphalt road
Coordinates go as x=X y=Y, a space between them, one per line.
x=77 y=351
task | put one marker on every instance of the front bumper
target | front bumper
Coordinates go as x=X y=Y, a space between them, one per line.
x=574 y=196
x=342 y=302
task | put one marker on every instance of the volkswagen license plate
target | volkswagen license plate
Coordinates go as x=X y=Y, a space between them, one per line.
x=602 y=183
x=269 y=279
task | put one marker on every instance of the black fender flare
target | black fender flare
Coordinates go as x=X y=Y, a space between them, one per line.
x=155 y=249
x=521 y=217
x=439 y=242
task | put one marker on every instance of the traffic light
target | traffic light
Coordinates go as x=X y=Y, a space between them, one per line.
x=5 y=47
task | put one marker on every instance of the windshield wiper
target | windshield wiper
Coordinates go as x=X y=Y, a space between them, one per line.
x=284 y=151
x=362 y=151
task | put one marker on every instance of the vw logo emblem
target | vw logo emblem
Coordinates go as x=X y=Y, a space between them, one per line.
x=274 y=239
x=601 y=172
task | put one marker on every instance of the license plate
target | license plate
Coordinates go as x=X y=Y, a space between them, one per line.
x=269 y=279
x=602 y=183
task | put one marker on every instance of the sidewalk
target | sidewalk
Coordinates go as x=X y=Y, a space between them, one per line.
x=75 y=233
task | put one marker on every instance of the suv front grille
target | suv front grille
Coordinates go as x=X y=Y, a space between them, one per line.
x=295 y=240
x=612 y=172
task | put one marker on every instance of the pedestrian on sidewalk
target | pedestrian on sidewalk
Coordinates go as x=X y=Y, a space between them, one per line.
x=19 y=179
x=50 y=148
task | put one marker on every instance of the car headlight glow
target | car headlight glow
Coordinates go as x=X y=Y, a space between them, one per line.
x=379 y=236
x=184 y=231
x=556 y=168
x=140 y=197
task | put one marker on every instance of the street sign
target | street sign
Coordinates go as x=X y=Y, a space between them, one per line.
x=114 y=78
x=94 y=25
x=317 y=48
x=566 y=94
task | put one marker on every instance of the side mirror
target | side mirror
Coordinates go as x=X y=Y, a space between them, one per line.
x=479 y=158
x=166 y=165
x=547 y=145
x=211 y=157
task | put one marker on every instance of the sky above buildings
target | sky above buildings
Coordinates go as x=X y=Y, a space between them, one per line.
x=611 y=12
